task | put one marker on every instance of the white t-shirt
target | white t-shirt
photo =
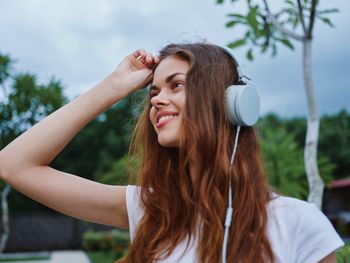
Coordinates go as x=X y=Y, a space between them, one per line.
x=298 y=231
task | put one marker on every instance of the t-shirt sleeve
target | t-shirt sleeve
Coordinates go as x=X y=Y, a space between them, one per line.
x=133 y=205
x=315 y=236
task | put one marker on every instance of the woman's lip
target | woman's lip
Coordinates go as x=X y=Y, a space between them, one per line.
x=161 y=124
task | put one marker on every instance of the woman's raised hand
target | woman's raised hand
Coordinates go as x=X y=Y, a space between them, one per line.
x=135 y=71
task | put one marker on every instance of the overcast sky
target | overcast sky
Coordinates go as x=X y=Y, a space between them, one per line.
x=80 y=42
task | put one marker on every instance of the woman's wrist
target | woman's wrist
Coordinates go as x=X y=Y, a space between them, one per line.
x=109 y=91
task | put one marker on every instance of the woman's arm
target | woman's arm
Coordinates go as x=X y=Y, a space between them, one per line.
x=24 y=163
x=331 y=258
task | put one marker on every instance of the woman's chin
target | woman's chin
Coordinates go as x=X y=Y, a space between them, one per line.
x=168 y=143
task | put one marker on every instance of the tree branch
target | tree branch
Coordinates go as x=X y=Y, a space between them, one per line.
x=301 y=16
x=312 y=19
x=280 y=27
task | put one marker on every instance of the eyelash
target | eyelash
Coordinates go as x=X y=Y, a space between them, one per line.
x=174 y=84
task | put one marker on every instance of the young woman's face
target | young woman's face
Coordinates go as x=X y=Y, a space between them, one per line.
x=168 y=99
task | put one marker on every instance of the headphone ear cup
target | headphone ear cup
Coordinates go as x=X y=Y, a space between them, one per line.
x=242 y=104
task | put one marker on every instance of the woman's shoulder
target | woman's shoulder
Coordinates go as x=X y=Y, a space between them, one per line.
x=294 y=213
x=284 y=204
x=285 y=214
x=298 y=228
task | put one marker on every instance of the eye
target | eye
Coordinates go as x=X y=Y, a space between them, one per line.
x=153 y=93
x=177 y=84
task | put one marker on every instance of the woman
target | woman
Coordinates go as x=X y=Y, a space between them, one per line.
x=184 y=141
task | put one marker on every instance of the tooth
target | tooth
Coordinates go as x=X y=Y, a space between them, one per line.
x=166 y=117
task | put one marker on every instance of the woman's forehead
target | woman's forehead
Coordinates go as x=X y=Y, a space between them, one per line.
x=169 y=66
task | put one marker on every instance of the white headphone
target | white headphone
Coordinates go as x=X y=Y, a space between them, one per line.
x=242 y=101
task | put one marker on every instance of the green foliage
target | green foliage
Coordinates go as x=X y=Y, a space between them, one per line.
x=5 y=67
x=263 y=33
x=326 y=20
x=237 y=43
x=115 y=242
x=334 y=141
x=121 y=171
x=107 y=138
x=101 y=257
x=25 y=103
x=283 y=161
x=25 y=257
x=286 y=42
x=343 y=255
x=283 y=157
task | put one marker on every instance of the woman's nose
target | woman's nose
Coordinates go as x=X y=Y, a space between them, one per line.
x=160 y=99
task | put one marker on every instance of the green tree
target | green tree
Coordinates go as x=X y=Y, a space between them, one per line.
x=95 y=149
x=335 y=141
x=294 y=21
x=283 y=162
x=123 y=171
x=25 y=102
x=283 y=158
x=5 y=68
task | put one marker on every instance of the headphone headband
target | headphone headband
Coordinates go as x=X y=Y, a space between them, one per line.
x=228 y=51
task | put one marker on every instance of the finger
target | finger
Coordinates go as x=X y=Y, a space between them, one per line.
x=148 y=56
x=156 y=59
x=141 y=59
x=149 y=60
x=139 y=53
x=136 y=53
x=155 y=62
x=144 y=57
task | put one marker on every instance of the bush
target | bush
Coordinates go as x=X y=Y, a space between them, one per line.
x=343 y=255
x=101 y=257
x=115 y=241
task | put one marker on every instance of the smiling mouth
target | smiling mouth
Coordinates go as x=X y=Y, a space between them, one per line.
x=165 y=119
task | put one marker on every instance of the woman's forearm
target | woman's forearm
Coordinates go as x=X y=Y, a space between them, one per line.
x=44 y=141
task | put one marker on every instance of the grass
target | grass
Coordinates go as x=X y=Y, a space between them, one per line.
x=13 y=257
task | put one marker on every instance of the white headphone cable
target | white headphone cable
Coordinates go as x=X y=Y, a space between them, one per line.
x=229 y=210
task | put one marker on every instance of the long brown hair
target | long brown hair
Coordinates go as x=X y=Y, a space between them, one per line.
x=180 y=206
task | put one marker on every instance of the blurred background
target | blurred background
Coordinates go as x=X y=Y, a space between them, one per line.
x=53 y=51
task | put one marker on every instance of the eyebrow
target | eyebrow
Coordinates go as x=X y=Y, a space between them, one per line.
x=168 y=79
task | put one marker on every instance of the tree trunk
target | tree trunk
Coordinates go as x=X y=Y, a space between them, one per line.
x=316 y=184
x=5 y=218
